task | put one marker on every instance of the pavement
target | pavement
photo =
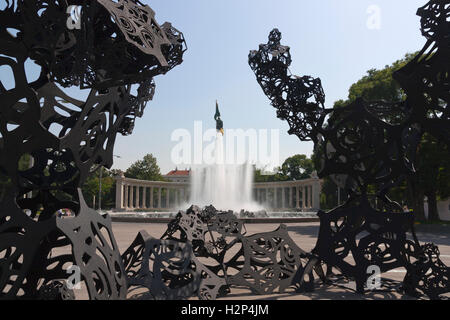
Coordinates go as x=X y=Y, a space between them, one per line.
x=304 y=235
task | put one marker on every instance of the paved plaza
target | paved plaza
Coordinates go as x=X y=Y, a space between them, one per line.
x=304 y=234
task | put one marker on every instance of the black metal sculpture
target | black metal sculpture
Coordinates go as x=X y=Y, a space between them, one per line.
x=116 y=45
x=264 y=263
x=369 y=144
x=169 y=270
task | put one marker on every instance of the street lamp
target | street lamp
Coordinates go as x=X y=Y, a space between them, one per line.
x=100 y=185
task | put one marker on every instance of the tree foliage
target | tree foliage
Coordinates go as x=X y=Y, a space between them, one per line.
x=91 y=189
x=145 y=169
x=297 y=167
x=380 y=84
x=433 y=177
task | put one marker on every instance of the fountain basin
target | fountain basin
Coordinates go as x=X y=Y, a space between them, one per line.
x=258 y=217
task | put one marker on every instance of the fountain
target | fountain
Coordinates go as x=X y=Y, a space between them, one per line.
x=225 y=186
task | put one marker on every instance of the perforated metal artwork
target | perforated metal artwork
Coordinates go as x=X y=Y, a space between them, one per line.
x=62 y=140
x=369 y=144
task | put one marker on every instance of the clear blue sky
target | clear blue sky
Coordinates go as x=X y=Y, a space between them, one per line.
x=328 y=39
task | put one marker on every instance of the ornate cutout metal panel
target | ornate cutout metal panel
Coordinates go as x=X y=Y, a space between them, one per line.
x=169 y=270
x=369 y=144
x=271 y=262
x=264 y=263
x=61 y=140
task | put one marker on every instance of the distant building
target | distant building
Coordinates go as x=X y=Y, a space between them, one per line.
x=178 y=176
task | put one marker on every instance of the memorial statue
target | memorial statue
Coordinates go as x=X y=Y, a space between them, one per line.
x=219 y=122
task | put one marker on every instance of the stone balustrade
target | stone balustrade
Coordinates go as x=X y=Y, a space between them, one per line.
x=132 y=194
x=287 y=195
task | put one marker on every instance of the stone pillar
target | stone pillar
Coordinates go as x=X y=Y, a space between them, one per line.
x=159 y=198
x=152 y=205
x=291 y=200
x=307 y=197
x=176 y=197
x=283 y=198
x=126 y=204
x=275 y=198
x=310 y=196
x=303 y=198
x=316 y=195
x=119 y=193
x=167 y=197
x=144 y=197
x=138 y=189
x=131 y=197
x=297 y=197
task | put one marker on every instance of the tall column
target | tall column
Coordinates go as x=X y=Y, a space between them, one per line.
x=275 y=198
x=126 y=204
x=167 y=197
x=291 y=200
x=131 y=196
x=307 y=197
x=306 y=190
x=119 y=194
x=176 y=197
x=283 y=198
x=316 y=195
x=303 y=197
x=311 y=196
x=297 y=197
x=159 y=198
x=138 y=189
x=144 y=197
x=151 y=205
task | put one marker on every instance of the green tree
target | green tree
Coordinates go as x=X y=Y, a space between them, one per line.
x=380 y=84
x=433 y=172
x=260 y=176
x=145 y=169
x=91 y=189
x=432 y=178
x=297 y=167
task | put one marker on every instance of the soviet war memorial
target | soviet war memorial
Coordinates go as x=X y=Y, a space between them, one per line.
x=141 y=160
